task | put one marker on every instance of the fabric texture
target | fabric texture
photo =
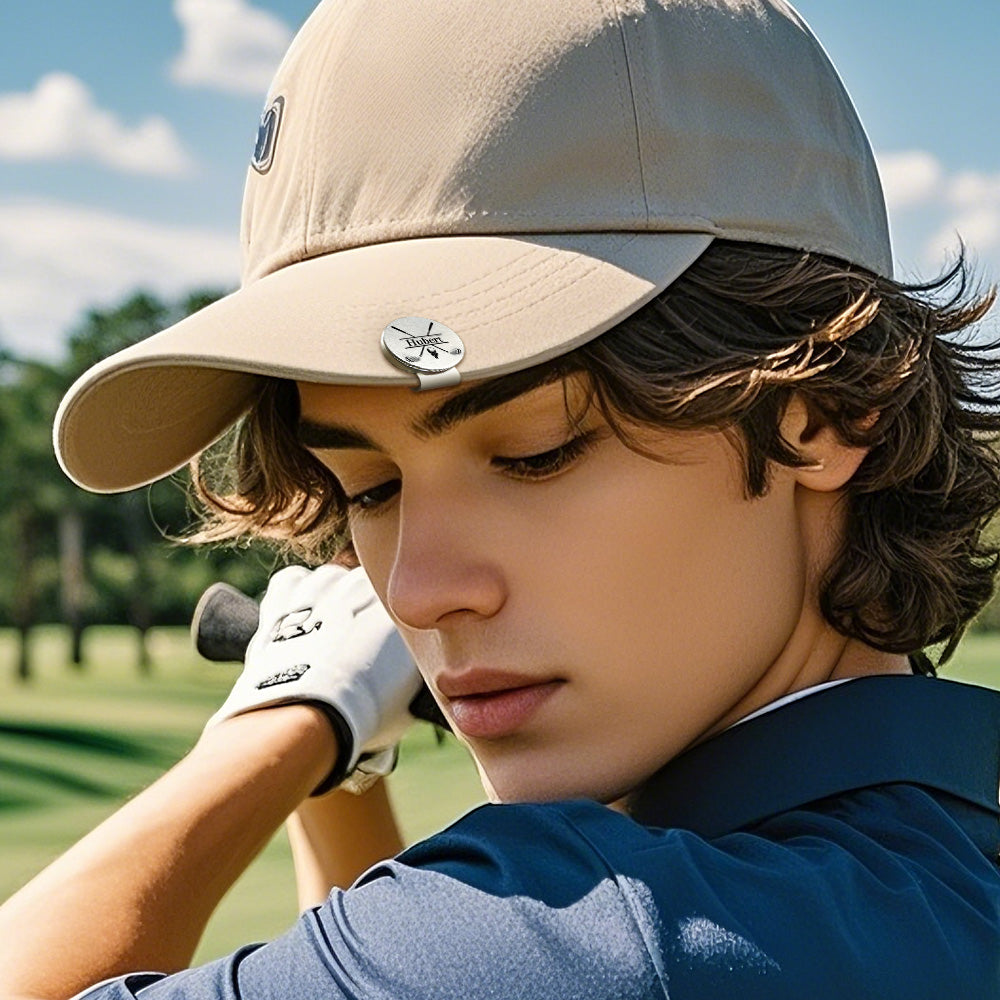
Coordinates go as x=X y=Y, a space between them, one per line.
x=529 y=174
x=887 y=891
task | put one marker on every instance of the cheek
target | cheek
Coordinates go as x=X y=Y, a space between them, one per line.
x=712 y=568
x=671 y=592
x=374 y=542
x=655 y=542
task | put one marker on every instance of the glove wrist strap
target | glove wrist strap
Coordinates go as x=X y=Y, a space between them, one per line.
x=345 y=748
x=368 y=768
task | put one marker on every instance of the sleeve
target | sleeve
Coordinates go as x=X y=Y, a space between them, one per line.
x=510 y=902
x=123 y=988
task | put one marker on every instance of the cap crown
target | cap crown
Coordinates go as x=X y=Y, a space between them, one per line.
x=445 y=117
x=524 y=174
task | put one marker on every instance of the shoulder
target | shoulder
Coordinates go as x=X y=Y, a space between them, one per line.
x=879 y=887
x=886 y=875
x=123 y=988
x=541 y=849
x=508 y=894
x=864 y=894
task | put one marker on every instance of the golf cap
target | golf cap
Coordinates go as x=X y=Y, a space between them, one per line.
x=518 y=177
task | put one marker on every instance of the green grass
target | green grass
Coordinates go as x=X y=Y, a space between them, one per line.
x=75 y=744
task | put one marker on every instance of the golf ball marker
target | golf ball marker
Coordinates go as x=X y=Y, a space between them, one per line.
x=425 y=347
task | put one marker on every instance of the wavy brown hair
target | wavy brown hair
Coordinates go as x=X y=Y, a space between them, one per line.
x=725 y=347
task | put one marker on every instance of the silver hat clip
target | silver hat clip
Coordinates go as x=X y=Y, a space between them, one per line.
x=425 y=347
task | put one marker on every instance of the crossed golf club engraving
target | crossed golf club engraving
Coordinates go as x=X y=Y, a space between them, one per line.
x=429 y=348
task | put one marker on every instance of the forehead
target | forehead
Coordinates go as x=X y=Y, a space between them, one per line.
x=373 y=418
x=431 y=413
x=349 y=402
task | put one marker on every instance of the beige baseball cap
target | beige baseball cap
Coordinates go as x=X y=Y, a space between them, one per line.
x=521 y=176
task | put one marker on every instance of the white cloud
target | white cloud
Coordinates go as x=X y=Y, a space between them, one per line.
x=910 y=178
x=945 y=206
x=59 y=120
x=60 y=259
x=975 y=200
x=228 y=45
x=978 y=229
x=971 y=189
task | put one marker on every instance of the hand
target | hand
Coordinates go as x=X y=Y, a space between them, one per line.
x=324 y=637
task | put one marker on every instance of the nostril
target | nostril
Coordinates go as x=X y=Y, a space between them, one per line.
x=435 y=595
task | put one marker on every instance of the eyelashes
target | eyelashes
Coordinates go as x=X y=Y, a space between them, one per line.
x=541 y=466
x=373 y=498
x=547 y=463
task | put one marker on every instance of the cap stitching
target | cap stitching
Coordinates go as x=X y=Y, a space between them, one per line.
x=309 y=190
x=458 y=299
x=465 y=214
x=464 y=293
x=647 y=102
x=502 y=274
x=635 y=111
x=523 y=289
x=524 y=308
x=689 y=224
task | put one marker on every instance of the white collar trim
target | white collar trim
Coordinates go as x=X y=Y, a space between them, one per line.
x=789 y=698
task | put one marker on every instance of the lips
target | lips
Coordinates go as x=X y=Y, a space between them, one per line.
x=488 y=704
x=479 y=681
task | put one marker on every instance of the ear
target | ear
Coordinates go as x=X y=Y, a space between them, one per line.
x=832 y=463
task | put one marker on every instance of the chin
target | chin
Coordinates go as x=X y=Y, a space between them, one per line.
x=507 y=782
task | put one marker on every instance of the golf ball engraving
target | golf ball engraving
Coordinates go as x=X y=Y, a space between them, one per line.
x=422 y=345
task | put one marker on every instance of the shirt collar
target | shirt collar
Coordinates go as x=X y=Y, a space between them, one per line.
x=874 y=731
x=794 y=696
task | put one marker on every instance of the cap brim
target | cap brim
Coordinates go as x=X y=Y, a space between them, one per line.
x=514 y=301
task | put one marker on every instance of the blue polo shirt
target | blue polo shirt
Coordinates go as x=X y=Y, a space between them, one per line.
x=842 y=846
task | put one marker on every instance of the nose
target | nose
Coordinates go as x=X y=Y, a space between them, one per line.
x=447 y=566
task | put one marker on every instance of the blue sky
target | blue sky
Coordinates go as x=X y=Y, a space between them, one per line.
x=126 y=127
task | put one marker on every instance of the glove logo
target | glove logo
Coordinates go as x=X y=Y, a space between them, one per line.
x=294 y=625
x=283 y=677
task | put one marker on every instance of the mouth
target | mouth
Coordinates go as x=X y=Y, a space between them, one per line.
x=488 y=705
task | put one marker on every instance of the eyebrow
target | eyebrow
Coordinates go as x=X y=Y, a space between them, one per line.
x=463 y=405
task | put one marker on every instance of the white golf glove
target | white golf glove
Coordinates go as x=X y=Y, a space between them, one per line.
x=324 y=637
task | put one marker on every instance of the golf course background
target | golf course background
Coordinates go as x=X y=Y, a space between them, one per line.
x=75 y=743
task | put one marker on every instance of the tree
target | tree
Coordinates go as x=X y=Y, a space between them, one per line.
x=80 y=558
x=32 y=492
x=102 y=332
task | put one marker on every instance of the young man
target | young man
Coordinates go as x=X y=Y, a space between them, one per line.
x=688 y=484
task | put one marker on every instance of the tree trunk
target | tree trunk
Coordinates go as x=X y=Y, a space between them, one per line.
x=23 y=655
x=144 y=660
x=24 y=594
x=71 y=578
x=76 y=644
x=140 y=609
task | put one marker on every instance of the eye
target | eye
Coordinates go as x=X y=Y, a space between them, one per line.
x=371 y=499
x=548 y=463
x=539 y=466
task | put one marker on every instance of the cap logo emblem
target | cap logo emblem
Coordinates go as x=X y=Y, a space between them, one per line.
x=429 y=349
x=267 y=136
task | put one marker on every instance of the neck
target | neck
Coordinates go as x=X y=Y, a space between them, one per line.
x=814 y=654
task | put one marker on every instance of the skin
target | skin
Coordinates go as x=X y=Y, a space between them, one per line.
x=137 y=891
x=655 y=602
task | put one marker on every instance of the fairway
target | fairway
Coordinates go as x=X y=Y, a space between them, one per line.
x=74 y=744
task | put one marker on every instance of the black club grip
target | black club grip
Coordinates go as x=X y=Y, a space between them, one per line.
x=225 y=620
